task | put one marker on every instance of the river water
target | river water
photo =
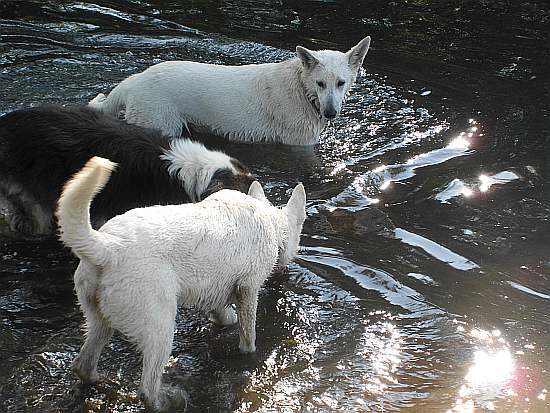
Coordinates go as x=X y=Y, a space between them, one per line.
x=423 y=281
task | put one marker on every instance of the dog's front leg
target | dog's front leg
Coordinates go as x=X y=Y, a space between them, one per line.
x=247 y=302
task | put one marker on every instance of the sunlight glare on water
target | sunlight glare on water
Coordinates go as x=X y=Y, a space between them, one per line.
x=383 y=348
x=381 y=177
x=459 y=142
x=490 y=368
x=491 y=375
x=501 y=178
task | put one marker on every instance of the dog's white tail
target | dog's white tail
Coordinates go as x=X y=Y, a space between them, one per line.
x=98 y=101
x=73 y=211
x=111 y=104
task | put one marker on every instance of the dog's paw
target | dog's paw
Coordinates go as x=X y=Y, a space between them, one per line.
x=169 y=399
x=84 y=373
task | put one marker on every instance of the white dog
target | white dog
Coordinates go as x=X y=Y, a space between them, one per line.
x=139 y=266
x=287 y=102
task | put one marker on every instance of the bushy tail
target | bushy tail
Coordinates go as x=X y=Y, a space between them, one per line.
x=98 y=101
x=73 y=211
x=111 y=104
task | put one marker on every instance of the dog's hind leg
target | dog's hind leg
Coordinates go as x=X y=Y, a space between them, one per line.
x=98 y=335
x=155 y=340
x=141 y=303
x=99 y=331
x=247 y=303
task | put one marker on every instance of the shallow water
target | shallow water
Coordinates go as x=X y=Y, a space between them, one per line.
x=423 y=281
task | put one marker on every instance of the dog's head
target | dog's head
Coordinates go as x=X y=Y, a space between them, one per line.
x=294 y=213
x=328 y=75
x=237 y=177
x=203 y=171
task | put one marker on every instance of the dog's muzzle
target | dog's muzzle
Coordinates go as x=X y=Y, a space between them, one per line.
x=330 y=113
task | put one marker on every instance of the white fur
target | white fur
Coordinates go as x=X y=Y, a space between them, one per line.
x=256 y=191
x=75 y=201
x=272 y=102
x=195 y=165
x=140 y=265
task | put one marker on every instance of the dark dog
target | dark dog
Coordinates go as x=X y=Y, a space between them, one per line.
x=40 y=148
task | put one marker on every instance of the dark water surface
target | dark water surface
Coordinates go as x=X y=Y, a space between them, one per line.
x=423 y=284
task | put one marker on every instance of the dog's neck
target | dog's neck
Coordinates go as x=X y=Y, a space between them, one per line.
x=310 y=97
x=286 y=113
x=315 y=103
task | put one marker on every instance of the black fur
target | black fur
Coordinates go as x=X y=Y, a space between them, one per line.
x=41 y=148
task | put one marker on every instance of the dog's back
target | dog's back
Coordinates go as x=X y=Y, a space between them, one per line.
x=40 y=148
x=213 y=237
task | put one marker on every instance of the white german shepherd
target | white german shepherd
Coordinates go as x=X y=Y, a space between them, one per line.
x=287 y=102
x=139 y=266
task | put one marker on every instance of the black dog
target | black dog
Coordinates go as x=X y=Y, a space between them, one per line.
x=40 y=148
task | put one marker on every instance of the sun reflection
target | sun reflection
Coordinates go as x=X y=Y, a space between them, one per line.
x=272 y=384
x=384 y=353
x=463 y=140
x=485 y=183
x=491 y=375
x=490 y=368
x=385 y=185
x=500 y=178
x=358 y=184
x=338 y=168
x=460 y=142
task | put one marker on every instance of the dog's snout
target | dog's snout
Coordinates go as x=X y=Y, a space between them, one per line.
x=330 y=113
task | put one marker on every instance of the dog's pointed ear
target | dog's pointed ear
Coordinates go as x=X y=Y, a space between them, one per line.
x=297 y=203
x=357 y=53
x=256 y=191
x=307 y=57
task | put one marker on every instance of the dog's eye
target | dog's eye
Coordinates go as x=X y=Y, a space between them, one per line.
x=321 y=84
x=340 y=83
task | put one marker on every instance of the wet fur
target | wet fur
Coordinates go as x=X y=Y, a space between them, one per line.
x=272 y=102
x=40 y=148
x=141 y=265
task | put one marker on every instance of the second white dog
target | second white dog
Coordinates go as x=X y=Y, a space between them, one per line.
x=287 y=102
x=139 y=266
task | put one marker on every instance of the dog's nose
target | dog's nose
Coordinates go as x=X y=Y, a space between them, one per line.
x=330 y=113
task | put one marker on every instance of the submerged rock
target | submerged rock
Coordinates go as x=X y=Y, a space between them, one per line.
x=359 y=221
